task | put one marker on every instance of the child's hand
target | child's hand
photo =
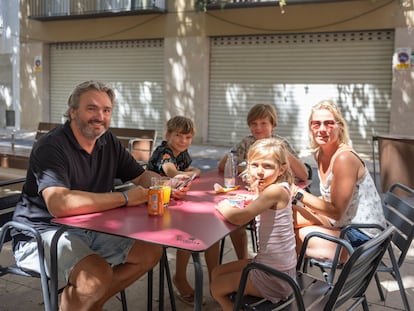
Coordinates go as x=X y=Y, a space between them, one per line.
x=255 y=186
x=294 y=189
x=222 y=206
x=179 y=194
x=249 y=198
x=177 y=181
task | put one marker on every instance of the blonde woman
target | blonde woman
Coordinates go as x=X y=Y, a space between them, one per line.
x=348 y=191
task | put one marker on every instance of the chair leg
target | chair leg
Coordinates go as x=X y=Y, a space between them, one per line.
x=221 y=250
x=380 y=292
x=169 y=282
x=149 y=290
x=403 y=294
x=365 y=304
x=123 y=300
x=397 y=276
x=254 y=242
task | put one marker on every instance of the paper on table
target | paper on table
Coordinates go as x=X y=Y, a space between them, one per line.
x=220 y=189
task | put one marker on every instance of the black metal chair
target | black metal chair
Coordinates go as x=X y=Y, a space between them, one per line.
x=7 y=203
x=311 y=293
x=398 y=205
x=399 y=212
x=14 y=269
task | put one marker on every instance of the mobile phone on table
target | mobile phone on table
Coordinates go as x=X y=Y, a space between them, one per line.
x=186 y=182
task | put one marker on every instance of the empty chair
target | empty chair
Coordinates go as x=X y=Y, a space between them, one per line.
x=141 y=149
x=399 y=212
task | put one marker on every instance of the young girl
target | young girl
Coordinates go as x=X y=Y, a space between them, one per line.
x=270 y=178
x=262 y=122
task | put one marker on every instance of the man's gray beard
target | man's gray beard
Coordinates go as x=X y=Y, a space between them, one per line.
x=86 y=131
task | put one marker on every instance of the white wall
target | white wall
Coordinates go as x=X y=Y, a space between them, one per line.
x=186 y=80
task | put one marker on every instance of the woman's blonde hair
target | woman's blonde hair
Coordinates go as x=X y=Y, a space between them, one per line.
x=339 y=119
x=279 y=152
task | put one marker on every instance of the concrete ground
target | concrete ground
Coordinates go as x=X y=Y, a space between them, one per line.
x=17 y=293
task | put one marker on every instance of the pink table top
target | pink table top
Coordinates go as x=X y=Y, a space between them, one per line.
x=192 y=224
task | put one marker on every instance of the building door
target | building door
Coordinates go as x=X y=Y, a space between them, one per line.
x=134 y=68
x=295 y=71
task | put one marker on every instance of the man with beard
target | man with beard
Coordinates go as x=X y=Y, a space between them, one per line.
x=71 y=172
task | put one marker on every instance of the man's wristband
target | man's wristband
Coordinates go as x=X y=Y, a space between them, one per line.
x=126 y=198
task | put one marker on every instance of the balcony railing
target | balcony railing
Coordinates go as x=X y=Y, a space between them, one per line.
x=223 y=4
x=74 y=9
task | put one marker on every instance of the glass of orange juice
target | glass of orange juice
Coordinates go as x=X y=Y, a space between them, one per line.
x=165 y=182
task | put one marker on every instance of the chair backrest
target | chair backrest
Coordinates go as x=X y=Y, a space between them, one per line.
x=140 y=142
x=359 y=270
x=141 y=148
x=10 y=191
x=399 y=212
x=43 y=128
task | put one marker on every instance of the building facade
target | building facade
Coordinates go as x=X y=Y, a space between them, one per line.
x=214 y=65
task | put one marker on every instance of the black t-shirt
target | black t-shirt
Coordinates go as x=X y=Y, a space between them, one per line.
x=58 y=160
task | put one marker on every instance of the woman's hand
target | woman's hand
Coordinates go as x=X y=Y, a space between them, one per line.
x=294 y=189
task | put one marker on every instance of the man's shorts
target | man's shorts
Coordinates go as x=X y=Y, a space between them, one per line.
x=74 y=244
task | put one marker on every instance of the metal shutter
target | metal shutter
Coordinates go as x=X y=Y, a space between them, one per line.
x=295 y=71
x=134 y=68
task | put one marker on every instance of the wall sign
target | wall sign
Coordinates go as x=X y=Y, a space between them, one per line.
x=402 y=58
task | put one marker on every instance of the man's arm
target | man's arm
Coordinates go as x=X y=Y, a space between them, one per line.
x=62 y=201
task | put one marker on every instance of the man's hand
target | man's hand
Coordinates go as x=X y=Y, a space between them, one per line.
x=137 y=196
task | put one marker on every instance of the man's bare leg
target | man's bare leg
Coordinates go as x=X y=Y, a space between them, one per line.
x=93 y=281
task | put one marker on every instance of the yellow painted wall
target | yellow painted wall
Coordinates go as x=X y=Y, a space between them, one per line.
x=182 y=26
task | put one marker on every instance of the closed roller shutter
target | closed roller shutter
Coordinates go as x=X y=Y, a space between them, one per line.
x=134 y=68
x=293 y=72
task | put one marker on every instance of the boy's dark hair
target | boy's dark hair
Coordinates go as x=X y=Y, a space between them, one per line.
x=261 y=111
x=180 y=124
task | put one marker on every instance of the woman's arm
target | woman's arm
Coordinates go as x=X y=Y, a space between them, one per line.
x=346 y=171
x=298 y=168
